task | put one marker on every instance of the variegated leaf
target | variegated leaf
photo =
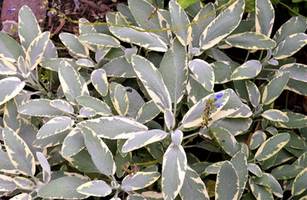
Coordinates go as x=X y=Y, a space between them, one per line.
x=174 y=71
x=11 y=118
x=147 y=112
x=177 y=137
x=36 y=50
x=257 y=139
x=7 y=183
x=250 y=41
x=179 y=18
x=99 y=39
x=223 y=70
x=136 y=196
x=260 y=192
x=285 y=172
x=125 y=10
x=54 y=126
x=153 y=82
x=253 y=93
x=129 y=52
x=265 y=17
x=136 y=101
x=203 y=72
x=275 y=87
x=271 y=146
x=297 y=71
x=227 y=182
x=7 y=68
x=83 y=62
x=86 y=112
x=275 y=115
x=6 y=164
x=99 y=106
x=248 y=70
x=141 y=139
x=72 y=82
x=97 y=188
x=54 y=63
x=222 y=25
x=45 y=165
x=63 y=188
x=173 y=171
x=100 y=153
x=193 y=187
x=214 y=168
x=83 y=162
x=73 y=143
x=139 y=180
x=195 y=90
x=269 y=181
x=255 y=169
x=40 y=108
x=299 y=183
x=100 y=81
x=50 y=141
x=10 y=50
x=119 y=98
x=235 y=126
x=74 y=45
x=62 y=106
x=119 y=67
x=24 y=183
x=28 y=28
x=114 y=127
x=18 y=151
x=9 y=88
x=144 y=39
x=290 y=46
x=101 y=52
x=85 y=27
x=226 y=140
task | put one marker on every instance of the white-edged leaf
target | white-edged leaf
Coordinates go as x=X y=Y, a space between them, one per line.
x=100 y=153
x=100 y=81
x=177 y=137
x=265 y=17
x=255 y=169
x=272 y=146
x=248 y=70
x=73 y=143
x=141 y=139
x=18 y=151
x=72 y=82
x=28 y=28
x=114 y=127
x=269 y=181
x=173 y=171
x=203 y=72
x=62 y=106
x=179 y=18
x=9 y=88
x=97 y=188
x=257 y=139
x=74 y=45
x=11 y=118
x=259 y=191
x=40 y=108
x=153 y=82
x=139 y=180
x=7 y=183
x=222 y=25
x=119 y=67
x=253 y=93
x=63 y=188
x=119 y=98
x=147 y=112
x=299 y=183
x=297 y=71
x=10 y=50
x=99 y=39
x=24 y=183
x=275 y=115
x=227 y=182
x=7 y=68
x=54 y=126
x=45 y=165
x=99 y=106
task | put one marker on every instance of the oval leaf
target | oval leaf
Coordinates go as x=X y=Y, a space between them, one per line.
x=40 y=108
x=54 y=126
x=275 y=115
x=9 y=88
x=10 y=50
x=139 y=180
x=96 y=188
x=100 y=81
x=99 y=39
x=248 y=70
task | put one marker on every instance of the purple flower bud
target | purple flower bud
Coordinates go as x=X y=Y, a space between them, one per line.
x=11 y=10
x=219 y=95
x=219 y=105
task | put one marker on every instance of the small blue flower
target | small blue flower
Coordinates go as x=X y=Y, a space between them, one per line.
x=219 y=105
x=219 y=95
x=11 y=10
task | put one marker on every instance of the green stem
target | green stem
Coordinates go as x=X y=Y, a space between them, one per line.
x=291 y=9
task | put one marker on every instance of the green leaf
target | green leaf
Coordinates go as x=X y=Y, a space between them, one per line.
x=235 y=126
x=7 y=183
x=144 y=39
x=275 y=87
x=119 y=67
x=9 y=88
x=255 y=169
x=39 y=108
x=73 y=143
x=174 y=168
x=18 y=151
x=257 y=139
x=296 y=120
x=203 y=72
x=119 y=98
x=174 y=70
x=179 y=18
x=99 y=39
x=253 y=93
x=100 y=81
x=299 y=183
x=226 y=140
x=11 y=118
x=227 y=182
x=292 y=44
x=297 y=71
x=100 y=153
x=285 y=172
x=139 y=180
x=72 y=82
x=62 y=106
x=63 y=188
x=74 y=45
x=223 y=70
x=147 y=112
x=141 y=139
x=250 y=41
x=83 y=162
x=6 y=164
x=269 y=181
x=85 y=27
x=99 y=106
x=186 y=3
x=275 y=115
x=271 y=146
x=193 y=187
x=97 y=188
x=260 y=192
x=248 y=70
x=36 y=50
x=265 y=17
x=153 y=82
x=10 y=50
x=114 y=127
x=28 y=28
x=125 y=10
x=195 y=90
x=54 y=126
x=229 y=19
